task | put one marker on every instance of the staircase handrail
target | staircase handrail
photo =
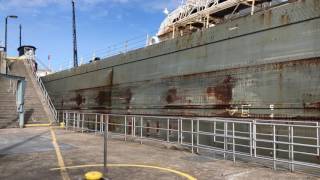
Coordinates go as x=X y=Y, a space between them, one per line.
x=31 y=65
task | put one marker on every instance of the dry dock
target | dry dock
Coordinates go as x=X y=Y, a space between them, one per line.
x=30 y=154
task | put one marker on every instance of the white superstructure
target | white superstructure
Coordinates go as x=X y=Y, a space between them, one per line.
x=201 y=13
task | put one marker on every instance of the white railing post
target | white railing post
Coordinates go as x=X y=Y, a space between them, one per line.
x=141 y=129
x=78 y=120
x=233 y=144
x=198 y=129
x=101 y=123
x=168 y=130
x=63 y=118
x=292 y=148
x=318 y=140
x=74 y=121
x=274 y=147
x=181 y=131
x=225 y=139
x=250 y=137
x=214 y=131
x=107 y=121
x=67 y=120
x=192 y=136
x=125 y=128
x=178 y=131
x=134 y=126
x=82 y=123
x=96 y=124
x=254 y=138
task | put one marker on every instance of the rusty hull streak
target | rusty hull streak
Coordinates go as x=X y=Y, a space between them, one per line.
x=78 y=99
x=127 y=96
x=221 y=89
x=258 y=68
x=103 y=98
x=172 y=96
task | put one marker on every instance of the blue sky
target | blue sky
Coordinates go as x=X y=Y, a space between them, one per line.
x=100 y=23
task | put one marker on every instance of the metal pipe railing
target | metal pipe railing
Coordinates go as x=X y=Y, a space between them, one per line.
x=285 y=145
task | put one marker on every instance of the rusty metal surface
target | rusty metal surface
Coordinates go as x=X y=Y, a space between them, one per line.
x=266 y=69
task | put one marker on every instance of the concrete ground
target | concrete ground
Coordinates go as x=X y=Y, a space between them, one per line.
x=30 y=154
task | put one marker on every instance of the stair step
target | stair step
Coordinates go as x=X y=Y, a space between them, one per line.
x=8 y=115
x=7 y=97
x=7 y=101
x=9 y=107
x=35 y=115
x=11 y=111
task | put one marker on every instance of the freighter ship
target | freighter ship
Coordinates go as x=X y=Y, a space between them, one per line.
x=232 y=58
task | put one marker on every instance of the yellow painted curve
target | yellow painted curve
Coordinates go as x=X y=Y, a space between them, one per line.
x=182 y=174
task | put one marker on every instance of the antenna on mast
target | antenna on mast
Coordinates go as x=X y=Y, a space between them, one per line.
x=75 y=49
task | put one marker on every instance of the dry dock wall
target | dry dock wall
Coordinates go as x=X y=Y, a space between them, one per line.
x=266 y=66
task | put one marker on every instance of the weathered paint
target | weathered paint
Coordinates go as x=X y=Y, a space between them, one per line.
x=267 y=68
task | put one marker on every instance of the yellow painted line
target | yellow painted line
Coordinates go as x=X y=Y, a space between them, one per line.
x=63 y=170
x=182 y=174
x=37 y=125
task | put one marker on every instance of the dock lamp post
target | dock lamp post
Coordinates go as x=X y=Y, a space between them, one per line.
x=6 y=31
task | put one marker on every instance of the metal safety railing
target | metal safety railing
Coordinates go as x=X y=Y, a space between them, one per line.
x=29 y=62
x=292 y=145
